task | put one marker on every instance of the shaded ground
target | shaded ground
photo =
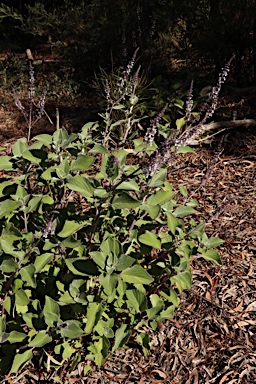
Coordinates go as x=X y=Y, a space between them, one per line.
x=212 y=338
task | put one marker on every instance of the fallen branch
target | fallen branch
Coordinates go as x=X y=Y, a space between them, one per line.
x=216 y=127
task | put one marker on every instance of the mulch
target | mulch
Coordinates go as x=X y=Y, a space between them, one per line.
x=212 y=337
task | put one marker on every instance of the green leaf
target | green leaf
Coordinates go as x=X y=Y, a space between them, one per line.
x=154 y=311
x=136 y=299
x=82 y=163
x=150 y=239
x=136 y=275
x=34 y=203
x=86 y=131
x=121 y=337
x=176 y=86
x=62 y=170
x=118 y=123
x=28 y=275
x=139 y=145
x=129 y=186
x=157 y=306
x=9 y=249
x=46 y=199
x=16 y=337
x=7 y=188
x=180 y=123
x=72 y=330
x=51 y=306
x=213 y=242
x=108 y=282
x=134 y=100
x=44 y=139
x=178 y=103
x=8 y=265
x=109 y=168
x=7 y=305
x=100 y=350
x=20 y=359
x=172 y=222
x=143 y=339
x=166 y=313
x=183 y=190
x=21 y=298
x=124 y=200
x=159 y=178
x=212 y=255
x=124 y=262
x=86 y=370
x=185 y=149
x=101 y=193
x=8 y=207
x=183 y=280
x=2 y=324
x=40 y=340
x=36 y=148
x=47 y=174
x=98 y=149
x=19 y=147
x=30 y=157
x=70 y=242
x=192 y=203
x=20 y=309
x=160 y=197
x=42 y=260
x=118 y=106
x=28 y=318
x=51 y=311
x=76 y=291
x=5 y=163
x=20 y=194
x=91 y=315
x=70 y=227
x=81 y=266
x=60 y=135
x=66 y=299
x=68 y=350
x=99 y=258
x=153 y=210
x=182 y=211
x=80 y=184
x=110 y=246
x=71 y=137
x=172 y=297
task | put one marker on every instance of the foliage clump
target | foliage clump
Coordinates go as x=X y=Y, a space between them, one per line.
x=94 y=247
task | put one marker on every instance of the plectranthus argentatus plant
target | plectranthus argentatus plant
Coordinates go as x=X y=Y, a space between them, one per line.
x=94 y=247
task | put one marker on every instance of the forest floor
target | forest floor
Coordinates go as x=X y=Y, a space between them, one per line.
x=212 y=337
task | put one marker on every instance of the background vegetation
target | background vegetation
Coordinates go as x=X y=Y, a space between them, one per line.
x=203 y=33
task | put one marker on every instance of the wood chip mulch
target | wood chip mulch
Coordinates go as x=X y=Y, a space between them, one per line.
x=212 y=338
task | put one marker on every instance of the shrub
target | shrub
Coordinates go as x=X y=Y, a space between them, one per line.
x=93 y=245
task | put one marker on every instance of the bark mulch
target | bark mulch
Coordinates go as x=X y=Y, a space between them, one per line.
x=212 y=338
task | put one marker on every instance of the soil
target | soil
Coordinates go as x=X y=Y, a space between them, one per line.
x=212 y=337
